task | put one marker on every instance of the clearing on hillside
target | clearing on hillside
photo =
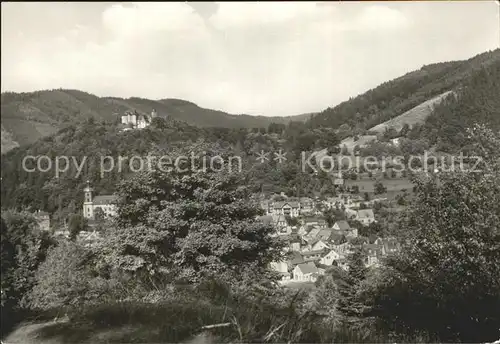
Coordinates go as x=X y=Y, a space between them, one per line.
x=418 y=114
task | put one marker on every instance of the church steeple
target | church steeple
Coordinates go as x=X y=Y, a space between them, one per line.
x=88 y=192
x=88 y=206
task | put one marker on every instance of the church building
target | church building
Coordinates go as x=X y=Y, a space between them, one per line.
x=107 y=203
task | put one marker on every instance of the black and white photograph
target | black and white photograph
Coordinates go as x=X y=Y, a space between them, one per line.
x=250 y=172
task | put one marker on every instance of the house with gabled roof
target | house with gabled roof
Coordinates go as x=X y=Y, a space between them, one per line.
x=310 y=255
x=330 y=256
x=319 y=245
x=282 y=269
x=365 y=216
x=389 y=245
x=307 y=272
x=344 y=249
x=313 y=233
x=303 y=230
x=325 y=234
x=287 y=208
x=341 y=225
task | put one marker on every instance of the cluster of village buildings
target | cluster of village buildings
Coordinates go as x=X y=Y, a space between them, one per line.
x=312 y=246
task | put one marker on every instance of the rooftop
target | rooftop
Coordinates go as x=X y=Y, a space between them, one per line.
x=105 y=199
x=308 y=268
x=343 y=225
x=366 y=213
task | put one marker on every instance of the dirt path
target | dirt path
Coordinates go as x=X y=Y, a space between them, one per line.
x=27 y=334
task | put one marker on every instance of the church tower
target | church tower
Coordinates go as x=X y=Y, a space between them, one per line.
x=88 y=206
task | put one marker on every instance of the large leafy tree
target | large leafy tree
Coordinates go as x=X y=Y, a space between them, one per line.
x=447 y=279
x=188 y=224
x=23 y=248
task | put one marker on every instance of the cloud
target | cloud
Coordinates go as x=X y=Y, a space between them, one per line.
x=245 y=14
x=376 y=19
x=143 y=18
x=382 y=18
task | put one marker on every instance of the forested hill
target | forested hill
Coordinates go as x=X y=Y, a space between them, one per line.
x=27 y=117
x=92 y=140
x=395 y=97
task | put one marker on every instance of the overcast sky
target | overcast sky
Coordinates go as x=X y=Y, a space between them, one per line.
x=261 y=58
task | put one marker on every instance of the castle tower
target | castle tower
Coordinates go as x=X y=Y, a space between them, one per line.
x=153 y=114
x=88 y=205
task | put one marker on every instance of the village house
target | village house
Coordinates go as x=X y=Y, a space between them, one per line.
x=330 y=257
x=279 y=222
x=396 y=142
x=106 y=204
x=333 y=202
x=282 y=269
x=337 y=238
x=365 y=216
x=43 y=220
x=339 y=182
x=325 y=235
x=291 y=209
x=341 y=225
x=344 y=249
x=306 y=205
x=307 y=272
x=310 y=256
x=373 y=254
x=303 y=230
x=311 y=237
x=353 y=201
x=350 y=213
x=343 y=264
x=294 y=245
x=345 y=229
x=314 y=221
x=315 y=245
x=64 y=233
x=388 y=245
x=267 y=206
x=352 y=233
x=319 y=245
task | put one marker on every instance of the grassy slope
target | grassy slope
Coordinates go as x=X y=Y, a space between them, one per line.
x=397 y=96
x=418 y=114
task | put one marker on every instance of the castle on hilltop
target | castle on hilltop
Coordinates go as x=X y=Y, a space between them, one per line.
x=134 y=120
